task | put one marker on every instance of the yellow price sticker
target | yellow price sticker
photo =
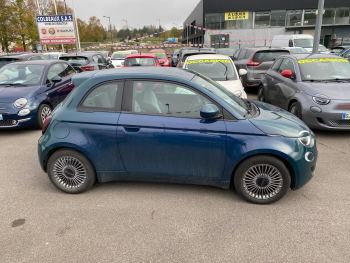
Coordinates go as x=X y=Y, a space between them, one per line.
x=322 y=60
x=208 y=61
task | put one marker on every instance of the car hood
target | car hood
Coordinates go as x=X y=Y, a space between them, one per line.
x=232 y=85
x=275 y=121
x=333 y=90
x=10 y=94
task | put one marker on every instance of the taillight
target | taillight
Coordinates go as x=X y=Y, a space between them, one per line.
x=87 y=68
x=252 y=63
x=46 y=124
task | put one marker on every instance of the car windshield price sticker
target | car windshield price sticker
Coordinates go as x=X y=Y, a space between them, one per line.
x=322 y=60
x=208 y=61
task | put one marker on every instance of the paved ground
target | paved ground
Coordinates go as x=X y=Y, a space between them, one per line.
x=136 y=222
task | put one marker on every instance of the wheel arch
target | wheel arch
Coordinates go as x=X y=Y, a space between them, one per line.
x=70 y=148
x=274 y=155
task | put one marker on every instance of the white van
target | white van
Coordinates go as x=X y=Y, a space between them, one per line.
x=301 y=40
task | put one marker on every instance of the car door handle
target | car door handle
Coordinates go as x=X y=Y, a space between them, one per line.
x=131 y=129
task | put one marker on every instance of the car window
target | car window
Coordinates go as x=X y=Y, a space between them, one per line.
x=68 y=70
x=287 y=64
x=36 y=58
x=277 y=64
x=168 y=99
x=242 y=54
x=266 y=56
x=95 y=59
x=106 y=97
x=100 y=59
x=56 y=70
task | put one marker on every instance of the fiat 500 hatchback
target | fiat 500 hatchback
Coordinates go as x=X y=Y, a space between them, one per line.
x=170 y=125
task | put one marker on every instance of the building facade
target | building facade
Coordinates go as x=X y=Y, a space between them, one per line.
x=222 y=23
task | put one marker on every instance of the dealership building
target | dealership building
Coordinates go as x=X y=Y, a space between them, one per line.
x=222 y=23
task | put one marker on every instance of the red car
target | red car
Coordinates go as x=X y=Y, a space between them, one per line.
x=162 y=57
x=141 y=60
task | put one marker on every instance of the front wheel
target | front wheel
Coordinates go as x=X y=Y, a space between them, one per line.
x=295 y=108
x=262 y=179
x=70 y=172
x=44 y=111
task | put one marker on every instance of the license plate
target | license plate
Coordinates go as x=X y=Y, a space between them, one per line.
x=1 y=118
x=345 y=116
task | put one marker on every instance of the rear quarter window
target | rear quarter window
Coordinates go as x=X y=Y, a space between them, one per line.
x=267 y=56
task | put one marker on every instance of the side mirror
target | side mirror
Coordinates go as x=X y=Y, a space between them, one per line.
x=56 y=79
x=210 y=111
x=287 y=73
x=243 y=72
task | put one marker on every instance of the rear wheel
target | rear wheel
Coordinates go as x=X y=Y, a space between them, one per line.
x=70 y=172
x=295 y=108
x=262 y=179
x=44 y=111
x=261 y=96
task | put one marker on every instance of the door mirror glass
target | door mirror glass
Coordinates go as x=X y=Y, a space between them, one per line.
x=287 y=73
x=210 y=111
x=56 y=79
x=243 y=72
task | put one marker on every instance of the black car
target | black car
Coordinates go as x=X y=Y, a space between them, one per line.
x=256 y=61
x=346 y=54
x=4 y=60
x=87 y=61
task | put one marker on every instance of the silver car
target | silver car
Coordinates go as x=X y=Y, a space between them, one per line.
x=316 y=88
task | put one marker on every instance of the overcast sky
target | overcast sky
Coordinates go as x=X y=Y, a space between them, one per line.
x=137 y=12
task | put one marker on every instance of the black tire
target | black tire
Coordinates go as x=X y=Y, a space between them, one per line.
x=295 y=108
x=261 y=96
x=70 y=172
x=43 y=111
x=262 y=179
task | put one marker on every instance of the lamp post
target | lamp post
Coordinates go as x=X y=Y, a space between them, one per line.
x=110 y=27
x=318 y=27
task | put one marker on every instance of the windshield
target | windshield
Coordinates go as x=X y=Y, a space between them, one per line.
x=132 y=62
x=160 y=55
x=76 y=60
x=51 y=56
x=236 y=103
x=22 y=74
x=319 y=69
x=216 y=69
x=119 y=55
x=5 y=61
x=305 y=43
x=298 y=50
x=268 y=56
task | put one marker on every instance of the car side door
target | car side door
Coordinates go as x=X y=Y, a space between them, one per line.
x=285 y=87
x=269 y=82
x=162 y=136
x=58 y=82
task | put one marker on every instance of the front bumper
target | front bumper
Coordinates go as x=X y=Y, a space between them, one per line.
x=12 y=121
x=328 y=117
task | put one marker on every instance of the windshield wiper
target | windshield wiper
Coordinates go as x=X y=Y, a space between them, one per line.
x=338 y=80
x=13 y=84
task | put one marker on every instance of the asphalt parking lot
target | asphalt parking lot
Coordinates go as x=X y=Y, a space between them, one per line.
x=137 y=222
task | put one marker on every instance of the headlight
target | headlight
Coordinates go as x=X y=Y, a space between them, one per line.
x=23 y=112
x=20 y=103
x=238 y=93
x=321 y=99
x=306 y=139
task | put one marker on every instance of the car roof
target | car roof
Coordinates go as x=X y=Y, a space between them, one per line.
x=311 y=56
x=22 y=55
x=37 y=62
x=152 y=72
x=264 y=49
x=207 y=56
x=142 y=55
x=82 y=54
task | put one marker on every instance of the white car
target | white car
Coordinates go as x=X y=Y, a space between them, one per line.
x=219 y=68
x=118 y=57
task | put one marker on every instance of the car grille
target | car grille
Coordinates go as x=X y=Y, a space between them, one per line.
x=340 y=123
x=8 y=123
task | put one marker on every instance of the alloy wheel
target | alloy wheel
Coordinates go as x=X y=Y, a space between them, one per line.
x=262 y=181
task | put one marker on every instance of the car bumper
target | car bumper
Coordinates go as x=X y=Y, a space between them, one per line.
x=304 y=168
x=12 y=121
x=328 y=117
